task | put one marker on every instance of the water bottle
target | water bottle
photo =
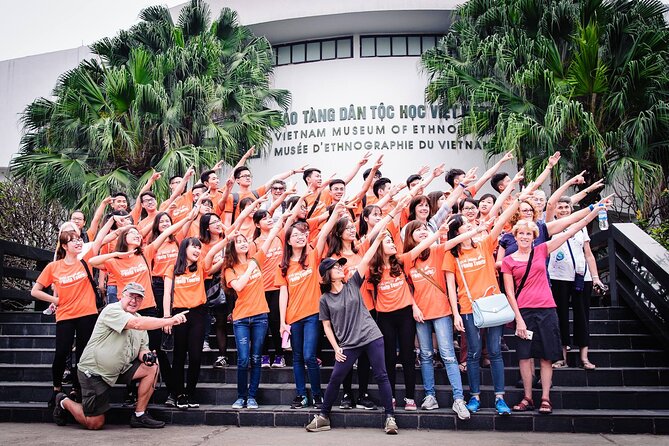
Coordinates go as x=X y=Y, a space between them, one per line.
x=603 y=218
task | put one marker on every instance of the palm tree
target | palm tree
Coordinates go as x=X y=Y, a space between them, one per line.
x=161 y=95
x=589 y=78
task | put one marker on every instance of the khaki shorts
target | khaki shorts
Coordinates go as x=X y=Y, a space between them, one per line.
x=95 y=391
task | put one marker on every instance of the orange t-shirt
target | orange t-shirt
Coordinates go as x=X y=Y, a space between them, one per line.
x=194 y=229
x=183 y=206
x=229 y=202
x=303 y=288
x=251 y=299
x=147 y=221
x=76 y=297
x=324 y=201
x=133 y=269
x=404 y=217
x=478 y=266
x=188 y=287
x=371 y=199
x=432 y=301
x=165 y=257
x=270 y=264
x=393 y=293
x=106 y=249
x=353 y=260
x=247 y=228
x=206 y=247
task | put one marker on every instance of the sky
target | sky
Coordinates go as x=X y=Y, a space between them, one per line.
x=30 y=27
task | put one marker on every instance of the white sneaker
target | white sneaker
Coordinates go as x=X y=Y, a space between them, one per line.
x=429 y=403
x=460 y=408
x=205 y=347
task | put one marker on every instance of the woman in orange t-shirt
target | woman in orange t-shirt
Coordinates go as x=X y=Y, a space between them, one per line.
x=76 y=308
x=264 y=225
x=185 y=291
x=244 y=275
x=474 y=262
x=424 y=268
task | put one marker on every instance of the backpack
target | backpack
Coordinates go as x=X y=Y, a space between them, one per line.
x=235 y=203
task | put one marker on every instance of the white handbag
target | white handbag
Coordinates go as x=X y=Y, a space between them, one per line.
x=488 y=311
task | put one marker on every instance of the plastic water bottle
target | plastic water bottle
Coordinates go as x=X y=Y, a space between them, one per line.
x=603 y=218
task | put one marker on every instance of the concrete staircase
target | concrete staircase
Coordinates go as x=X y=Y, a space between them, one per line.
x=628 y=393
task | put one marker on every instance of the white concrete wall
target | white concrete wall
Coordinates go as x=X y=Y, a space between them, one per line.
x=21 y=82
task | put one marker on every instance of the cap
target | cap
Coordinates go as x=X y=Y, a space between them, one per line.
x=327 y=264
x=134 y=288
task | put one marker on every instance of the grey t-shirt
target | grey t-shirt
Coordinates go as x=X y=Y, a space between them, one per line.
x=112 y=349
x=351 y=322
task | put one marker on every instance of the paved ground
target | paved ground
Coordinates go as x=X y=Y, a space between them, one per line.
x=16 y=434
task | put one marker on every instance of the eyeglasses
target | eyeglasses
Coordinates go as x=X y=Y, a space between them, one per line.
x=469 y=208
x=338 y=266
x=278 y=188
x=76 y=240
x=527 y=211
x=135 y=297
x=350 y=228
x=246 y=176
x=149 y=200
x=77 y=219
x=215 y=222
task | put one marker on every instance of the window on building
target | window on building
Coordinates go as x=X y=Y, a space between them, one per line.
x=313 y=51
x=396 y=45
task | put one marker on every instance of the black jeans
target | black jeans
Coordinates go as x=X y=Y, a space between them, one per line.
x=398 y=327
x=158 y=287
x=363 y=372
x=373 y=350
x=564 y=295
x=65 y=336
x=272 y=298
x=188 y=340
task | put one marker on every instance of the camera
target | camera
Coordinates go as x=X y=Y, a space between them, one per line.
x=149 y=358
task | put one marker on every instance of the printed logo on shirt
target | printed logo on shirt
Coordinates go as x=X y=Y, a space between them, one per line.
x=66 y=280
x=274 y=252
x=473 y=263
x=162 y=256
x=179 y=211
x=392 y=284
x=299 y=275
x=187 y=280
x=427 y=270
x=132 y=271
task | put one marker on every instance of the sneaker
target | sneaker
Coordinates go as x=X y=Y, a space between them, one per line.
x=145 y=421
x=206 y=347
x=460 y=408
x=390 y=426
x=318 y=424
x=171 y=401
x=364 y=402
x=409 y=404
x=346 y=402
x=192 y=403
x=182 y=402
x=473 y=405
x=251 y=403
x=221 y=362
x=264 y=362
x=59 y=414
x=130 y=400
x=501 y=407
x=300 y=402
x=318 y=402
x=238 y=404
x=279 y=362
x=429 y=403
x=75 y=395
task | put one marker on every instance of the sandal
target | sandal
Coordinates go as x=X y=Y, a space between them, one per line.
x=463 y=367
x=559 y=364
x=546 y=407
x=587 y=365
x=525 y=405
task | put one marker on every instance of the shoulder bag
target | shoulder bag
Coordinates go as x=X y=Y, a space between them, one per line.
x=488 y=311
x=99 y=298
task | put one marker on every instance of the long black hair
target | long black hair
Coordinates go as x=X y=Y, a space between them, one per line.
x=257 y=216
x=366 y=212
x=335 y=241
x=457 y=222
x=205 y=233
x=155 y=231
x=288 y=250
x=182 y=259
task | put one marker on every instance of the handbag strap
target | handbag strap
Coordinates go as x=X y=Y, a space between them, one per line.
x=573 y=260
x=527 y=273
x=313 y=208
x=464 y=281
x=430 y=279
x=90 y=277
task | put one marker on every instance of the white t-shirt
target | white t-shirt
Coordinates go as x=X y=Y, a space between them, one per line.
x=560 y=264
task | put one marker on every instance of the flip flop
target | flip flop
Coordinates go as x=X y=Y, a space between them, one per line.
x=587 y=365
x=559 y=364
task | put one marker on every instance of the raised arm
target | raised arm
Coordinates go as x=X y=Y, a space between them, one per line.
x=247 y=211
x=284 y=175
x=180 y=189
x=505 y=194
x=437 y=172
x=551 y=205
x=445 y=210
x=171 y=230
x=508 y=213
x=560 y=224
x=578 y=196
x=209 y=258
x=368 y=182
x=278 y=226
x=357 y=167
x=552 y=162
x=363 y=266
x=385 y=221
x=99 y=239
x=97 y=217
x=137 y=209
x=99 y=261
x=508 y=156
x=559 y=239
x=276 y=203
x=394 y=190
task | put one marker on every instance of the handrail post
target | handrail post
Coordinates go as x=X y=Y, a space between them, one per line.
x=613 y=284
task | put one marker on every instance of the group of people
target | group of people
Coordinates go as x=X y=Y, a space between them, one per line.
x=384 y=272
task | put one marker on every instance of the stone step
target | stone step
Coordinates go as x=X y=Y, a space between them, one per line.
x=655 y=398
x=602 y=358
x=602 y=377
x=603 y=313
x=562 y=420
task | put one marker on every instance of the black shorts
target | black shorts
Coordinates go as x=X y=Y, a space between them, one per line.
x=95 y=391
x=545 y=343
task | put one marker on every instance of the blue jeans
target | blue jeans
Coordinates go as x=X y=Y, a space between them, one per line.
x=254 y=327
x=443 y=328
x=304 y=336
x=474 y=348
x=112 y=294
